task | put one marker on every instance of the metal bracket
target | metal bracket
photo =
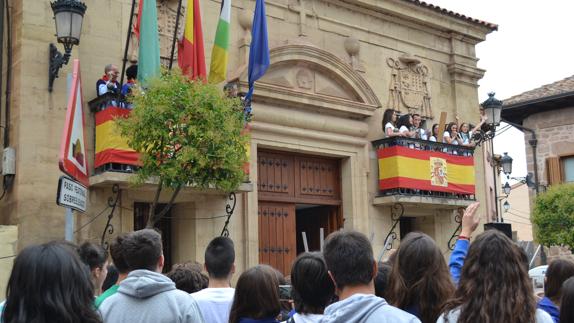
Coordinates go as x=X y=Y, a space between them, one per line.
x=458 y=219
x=397 y=211
x=112 y=203
x=57 y=60
x=229 y=208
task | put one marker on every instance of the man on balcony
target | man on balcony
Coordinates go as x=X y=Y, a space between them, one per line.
x=108 y=82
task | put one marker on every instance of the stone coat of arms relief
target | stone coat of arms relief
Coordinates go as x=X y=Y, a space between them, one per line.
x=409 y=89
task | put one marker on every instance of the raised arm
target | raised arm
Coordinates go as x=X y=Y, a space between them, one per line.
x=469 y=224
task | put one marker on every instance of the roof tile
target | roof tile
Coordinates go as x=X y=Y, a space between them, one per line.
x=454 y=14
x=563 y=86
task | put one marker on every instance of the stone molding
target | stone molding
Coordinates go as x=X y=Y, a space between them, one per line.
x=292 y=80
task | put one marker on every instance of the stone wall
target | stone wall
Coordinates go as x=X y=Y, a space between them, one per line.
x=554 y=130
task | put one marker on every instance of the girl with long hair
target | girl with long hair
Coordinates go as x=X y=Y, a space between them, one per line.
x=557 y=272
x=49 y=283
x=567 y=301
x=450 y=134
x=420 y=281
x=434 y=133
x=494 y=285
x=405 y=124
x=390 y=123
x=256 y=297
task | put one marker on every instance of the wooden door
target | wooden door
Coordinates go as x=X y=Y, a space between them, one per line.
x=277 y=235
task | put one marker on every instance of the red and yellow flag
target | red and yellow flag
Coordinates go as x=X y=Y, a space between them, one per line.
x=402 y=167
x=190 y=54
x=111 y=147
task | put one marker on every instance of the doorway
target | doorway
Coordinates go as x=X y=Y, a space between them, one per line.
x=297 y=193
x=163 y=226
x=310 y=219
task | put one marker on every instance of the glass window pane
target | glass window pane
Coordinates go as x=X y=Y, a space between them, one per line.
x=568 y=169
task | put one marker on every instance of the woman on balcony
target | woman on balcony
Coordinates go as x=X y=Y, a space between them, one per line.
x=434 y=133
x=389 y=123
x=451 y=134
x=405 y=124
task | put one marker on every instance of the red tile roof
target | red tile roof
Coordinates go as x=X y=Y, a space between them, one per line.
x=560 y=87
x=454 y=14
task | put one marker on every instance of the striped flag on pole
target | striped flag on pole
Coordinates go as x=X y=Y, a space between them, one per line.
x=219 y=54
x=191 y=55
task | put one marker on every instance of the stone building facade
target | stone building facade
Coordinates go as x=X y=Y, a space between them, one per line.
x=549 y=112
x=334 y=69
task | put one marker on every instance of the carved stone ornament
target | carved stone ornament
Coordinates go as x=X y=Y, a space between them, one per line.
x=166 y=14
x=409 y=89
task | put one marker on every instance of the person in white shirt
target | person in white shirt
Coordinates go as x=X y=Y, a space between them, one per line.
x=451 y=134
x=433 y=135
x=389 y=123
x=215 y=301
x=419 y=132
x=405 y=124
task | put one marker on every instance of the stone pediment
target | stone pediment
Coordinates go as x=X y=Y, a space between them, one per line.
x=305 y=77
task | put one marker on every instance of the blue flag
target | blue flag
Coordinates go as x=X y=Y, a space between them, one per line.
x=259 y=50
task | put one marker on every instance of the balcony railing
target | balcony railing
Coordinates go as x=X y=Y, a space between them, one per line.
x=417 y=167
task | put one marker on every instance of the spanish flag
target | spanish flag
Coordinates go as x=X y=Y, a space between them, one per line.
x=111 y=147
x=218 y=67
x=403 y=167
x=190 y=54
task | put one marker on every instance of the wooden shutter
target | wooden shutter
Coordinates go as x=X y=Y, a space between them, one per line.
x=553 y=171
x=275 y=175
x=277 y=239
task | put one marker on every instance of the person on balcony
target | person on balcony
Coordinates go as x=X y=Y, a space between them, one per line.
x=465 y=135
x=389 y=123
x=433 y=135
x=132 y=75
x=451 y=134
x=405 y=125
x=108 y=82
x=420 y=132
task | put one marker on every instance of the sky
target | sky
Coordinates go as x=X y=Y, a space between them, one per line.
x=532 y=47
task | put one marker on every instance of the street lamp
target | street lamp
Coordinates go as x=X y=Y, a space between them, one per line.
x=506 y=188
x=506 y=163
x=492 y=108
x=68 y=15
x=506 y=206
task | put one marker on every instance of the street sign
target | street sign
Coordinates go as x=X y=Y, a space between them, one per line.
x=72 y=194
x=73 y=159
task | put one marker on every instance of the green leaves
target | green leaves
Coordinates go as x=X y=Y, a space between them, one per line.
x=188 y=133
x=553 y=216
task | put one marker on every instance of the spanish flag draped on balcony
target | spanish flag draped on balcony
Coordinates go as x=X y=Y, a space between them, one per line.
x=218 y=66
x=403 y=167
x=190 y=54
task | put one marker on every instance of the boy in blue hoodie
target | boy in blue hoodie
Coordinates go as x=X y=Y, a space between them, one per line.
x=349 y=258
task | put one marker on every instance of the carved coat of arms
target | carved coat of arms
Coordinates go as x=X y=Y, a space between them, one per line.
x=438 y=172
x=409 y=88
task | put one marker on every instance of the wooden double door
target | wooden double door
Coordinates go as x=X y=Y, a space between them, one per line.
x=296 y=193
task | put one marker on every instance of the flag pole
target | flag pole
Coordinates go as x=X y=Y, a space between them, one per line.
x=128 y=38
x=175 y=33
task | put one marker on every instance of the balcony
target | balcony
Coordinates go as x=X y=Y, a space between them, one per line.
x=424 y=174
x=114 y=161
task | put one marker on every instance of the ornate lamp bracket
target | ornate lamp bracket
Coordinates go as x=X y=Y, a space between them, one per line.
x=455 y=234
x=229 y=208
x=112 y=203
x=397 y=211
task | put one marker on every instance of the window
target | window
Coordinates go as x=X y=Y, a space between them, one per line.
x=568 y=168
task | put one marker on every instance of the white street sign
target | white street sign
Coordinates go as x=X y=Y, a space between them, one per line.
x=72 y=194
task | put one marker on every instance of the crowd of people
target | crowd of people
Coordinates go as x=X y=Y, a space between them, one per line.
x=483 y=281
x=411 y=126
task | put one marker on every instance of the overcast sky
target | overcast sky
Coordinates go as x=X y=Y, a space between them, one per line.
x=533 y=46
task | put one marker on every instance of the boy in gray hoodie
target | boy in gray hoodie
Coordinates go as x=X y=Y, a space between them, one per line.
x=349 y=258
x=146 y=295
